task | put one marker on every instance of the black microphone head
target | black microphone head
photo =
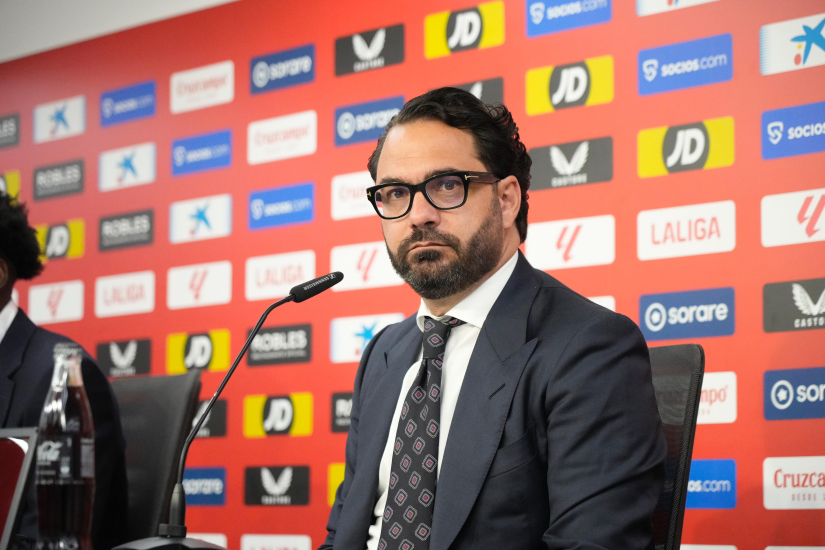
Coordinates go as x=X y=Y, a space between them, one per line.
x=307 y=290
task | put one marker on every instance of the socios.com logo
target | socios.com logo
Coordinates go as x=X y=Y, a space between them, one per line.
x=712 y=484
x=561 y=15
x=365 y=121
x=690 y=314
x=792 y=131
x=282 y=206
x=685 y=65
x=204 y=152
x=794 y=394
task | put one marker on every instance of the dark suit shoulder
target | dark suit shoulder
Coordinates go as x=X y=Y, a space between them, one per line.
x=392 y=334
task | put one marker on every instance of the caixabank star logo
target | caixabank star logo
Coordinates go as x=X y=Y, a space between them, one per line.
x=696 y=146
x=449 y=32
x=265 y=415
x=62 y=240
x=588 y=82
x=208 y=350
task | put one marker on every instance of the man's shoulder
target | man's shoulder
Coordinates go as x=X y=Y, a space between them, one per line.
x=40 y=346
x=392 y=334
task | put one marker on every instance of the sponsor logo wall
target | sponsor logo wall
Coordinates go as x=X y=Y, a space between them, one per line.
x=177 y=195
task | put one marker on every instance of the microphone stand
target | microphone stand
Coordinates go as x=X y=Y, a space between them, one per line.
x=172 y=535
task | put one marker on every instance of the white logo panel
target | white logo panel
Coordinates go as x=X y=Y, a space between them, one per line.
x=217 y=539
x=199 y=285
x=791 y=45
x=576 y=242
x=649 y=7
x=56 y=302
x=718 y=402
x=125 y=294
x=276 y=542
x=793 y=218
x=60 y=119
x=608 y=302
x=202 y=87
x=690 y=230
x=127 y=167
x=793 y=483
x=349 y=196
x=283 y=137
x=200 y=219
x=274 y=276
x=364 y=265
x=349 y=336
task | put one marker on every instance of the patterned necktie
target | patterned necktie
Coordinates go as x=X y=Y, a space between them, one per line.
x=408 y=517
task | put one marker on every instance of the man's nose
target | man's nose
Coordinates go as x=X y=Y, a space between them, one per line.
x=422 y=212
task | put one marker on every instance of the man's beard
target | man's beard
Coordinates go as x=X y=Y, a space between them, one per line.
x=434 y=280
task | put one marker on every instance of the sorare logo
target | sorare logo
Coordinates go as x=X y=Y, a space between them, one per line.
x=696 y=146
x=449 y=32
x=9 y=130
x=792 y=45
x=712 y=484
x=369 y=50
x=282 y=69
x=573 y=163
x=686 y=65
x=130 y=103
x=792 y=131
x=794 y=394
x=365 y=121
x=205 y=486
x=203 y=152
x=282 y=206
x=588 y=82
x=794 y=305
x=265 y=415
x=561 y=15
x=689 y=314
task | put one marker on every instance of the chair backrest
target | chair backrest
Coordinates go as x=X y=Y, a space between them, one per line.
x=677 y=381
x=156 y=413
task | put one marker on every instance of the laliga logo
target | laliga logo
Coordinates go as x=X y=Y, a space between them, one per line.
x=346 y=125
x=782 y=395
x=650 y=68
x=775 y=131
x=467 y=30
x=179 y=155
x=572 y=85
x=257 y=209
x=690 y=144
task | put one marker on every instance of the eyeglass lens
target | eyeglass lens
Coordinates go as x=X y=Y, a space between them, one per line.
x=444 y=191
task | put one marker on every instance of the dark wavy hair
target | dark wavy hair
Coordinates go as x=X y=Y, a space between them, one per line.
x=18 y=243
x=498 y=145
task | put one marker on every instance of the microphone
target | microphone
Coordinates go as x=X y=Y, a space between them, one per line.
x=172 y=535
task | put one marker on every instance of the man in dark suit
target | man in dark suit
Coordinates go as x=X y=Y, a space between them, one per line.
x=509 y=412
x=26 y=363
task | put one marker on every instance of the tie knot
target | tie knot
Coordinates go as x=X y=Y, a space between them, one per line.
x=436 y=332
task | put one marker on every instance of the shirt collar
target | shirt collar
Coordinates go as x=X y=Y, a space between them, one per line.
x=474 y=309
x=7 y=315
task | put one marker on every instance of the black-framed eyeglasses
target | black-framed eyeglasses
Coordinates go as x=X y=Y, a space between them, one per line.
x=444 y=191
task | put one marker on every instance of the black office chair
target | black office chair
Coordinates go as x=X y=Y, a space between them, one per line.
x=677 y=381
x=156 y=413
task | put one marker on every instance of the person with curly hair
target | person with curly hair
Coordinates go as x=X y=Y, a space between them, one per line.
x=26 y=363
x=509 y=411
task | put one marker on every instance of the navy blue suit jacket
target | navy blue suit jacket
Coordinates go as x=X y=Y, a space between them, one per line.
x=556 y=440
x=26 y=364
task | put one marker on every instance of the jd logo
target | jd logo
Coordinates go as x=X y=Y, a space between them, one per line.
x=198 y=351
x=278 y=415
x=775 y=130
x=57 y=241
x=569 y=85
x=651 y=68
x=685 y=147
x=464 y=29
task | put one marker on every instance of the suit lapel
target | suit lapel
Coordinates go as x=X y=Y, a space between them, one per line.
x=497 y=362
x=12 y=349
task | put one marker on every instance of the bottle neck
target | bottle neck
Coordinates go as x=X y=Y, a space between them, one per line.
x=67 y=360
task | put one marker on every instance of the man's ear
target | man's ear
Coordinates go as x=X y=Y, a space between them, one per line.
x=5 y=273
x=509 y=196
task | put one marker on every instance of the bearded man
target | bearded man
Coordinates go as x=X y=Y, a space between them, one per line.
x=509 y=412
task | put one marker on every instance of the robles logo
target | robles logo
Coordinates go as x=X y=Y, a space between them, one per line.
x=365 y=121
x=798 y=130
x=369 y=50
x=700 y=145
x=281 y=346
x=282 y=69
x=208 y=350
x=686 y=65
x=9 y=130
x=561 y=15
x=125 y=230
x=589 y=82
x=58 y=180
x=689 y=314
x=65 y=240
x=449 y=32
x=341 y=409
x=794 y=394
x=277 y=415
x=712 y=484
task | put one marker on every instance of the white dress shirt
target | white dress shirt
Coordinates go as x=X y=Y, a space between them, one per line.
x=473 y=310
x=6 y=317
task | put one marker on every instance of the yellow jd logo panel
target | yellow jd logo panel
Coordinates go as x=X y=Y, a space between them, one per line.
x=449 y=32
x=64 y=240
x=335 y=477
x=589 y=82
x=197 y=351
x=696 y=146
x=265 y=415
x=10 y=184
